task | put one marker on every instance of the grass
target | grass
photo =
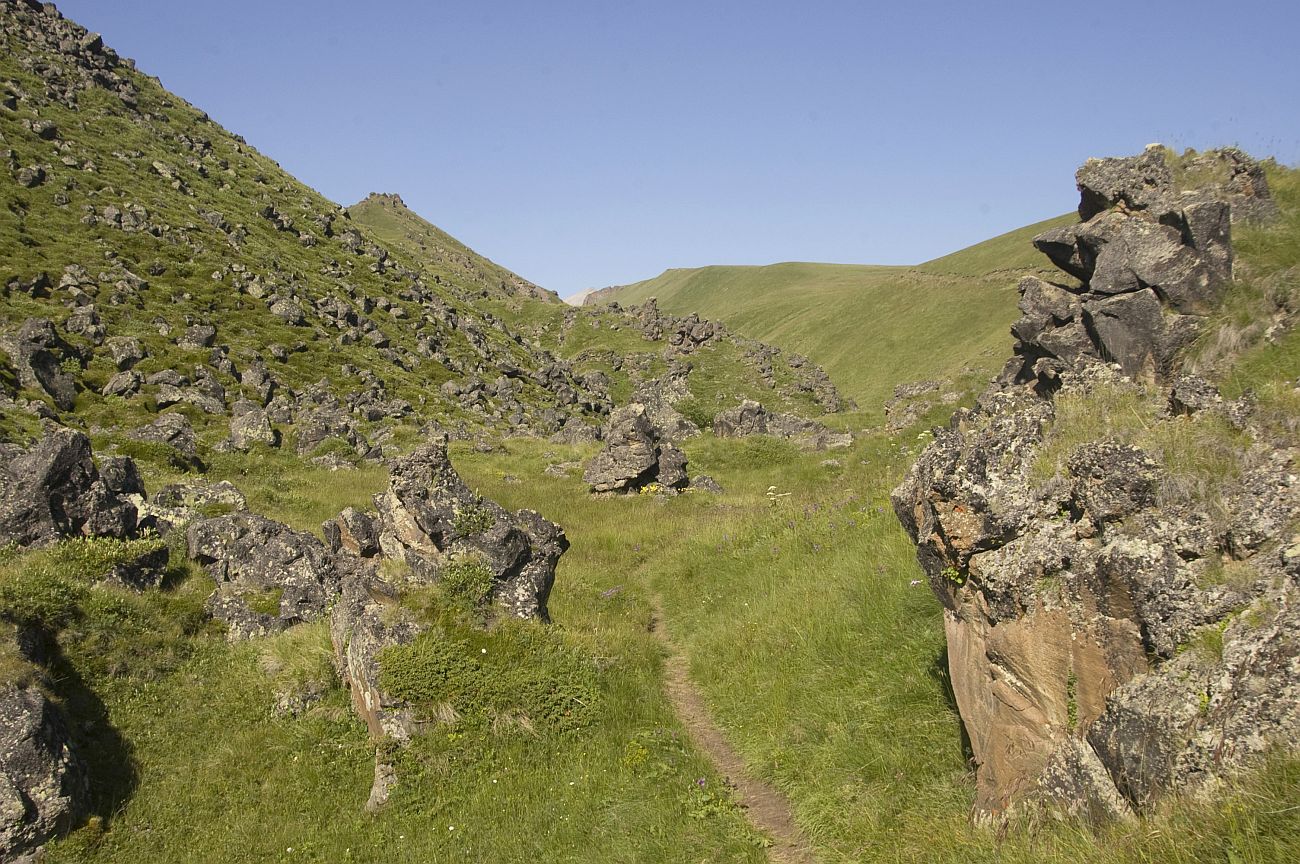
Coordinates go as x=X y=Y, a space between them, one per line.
x=870 y=327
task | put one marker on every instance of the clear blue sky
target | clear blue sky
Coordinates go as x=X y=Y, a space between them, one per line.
x=584 y=144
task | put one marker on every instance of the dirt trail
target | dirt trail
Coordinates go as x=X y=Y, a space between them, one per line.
x=766 y=809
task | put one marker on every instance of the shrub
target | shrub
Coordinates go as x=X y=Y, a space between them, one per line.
x=520 y=675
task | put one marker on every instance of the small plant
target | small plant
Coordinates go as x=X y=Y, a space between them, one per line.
x=953 y=575
x=468 y=580
x=473 y=519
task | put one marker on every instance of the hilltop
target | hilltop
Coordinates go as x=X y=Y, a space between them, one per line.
x=389 y=219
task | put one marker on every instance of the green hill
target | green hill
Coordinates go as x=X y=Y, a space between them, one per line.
x=388 y=218
x=871 y=327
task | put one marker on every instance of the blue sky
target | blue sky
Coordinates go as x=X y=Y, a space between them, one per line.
x=585 y=144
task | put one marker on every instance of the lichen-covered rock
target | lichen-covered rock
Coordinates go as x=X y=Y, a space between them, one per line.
x=634 y=456
x=54 y=490
x=1099 y=657
x=38 y=353
x=43 y=785
x=432 y=522
x=1151 y=259
x=429 y=519
x=269 y=576
x=174 y=431
x=252 y=427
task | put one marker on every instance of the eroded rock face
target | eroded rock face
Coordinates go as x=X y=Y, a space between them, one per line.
x=38 y=352
x=1099 y=658
x=43 y=785
x=54 y=490
x=1150 y=259
x=635 y=456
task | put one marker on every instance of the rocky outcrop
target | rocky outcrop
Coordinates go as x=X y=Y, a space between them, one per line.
x=1150 y=261
x=751 y=418
x=635 y=456
x=269 y=576
x=54 y=490
x=1100 y=657
x=431 y=522
x=38 y=354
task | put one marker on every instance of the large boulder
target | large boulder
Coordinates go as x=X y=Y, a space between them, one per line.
x=428 y=518
x=269 y=576
x=1151 y=259
x=43 y=784
x=174 y=431
x=635 y=456
x=1099 y=659
x=430 y=521
x=54 y=490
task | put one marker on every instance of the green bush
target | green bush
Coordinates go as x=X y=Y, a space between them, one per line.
x=468 y=580
x=518 y=675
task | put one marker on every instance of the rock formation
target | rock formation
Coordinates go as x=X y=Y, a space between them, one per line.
x=54 y=490
x=635 y=456
x=1100 y=657
x=258 y=561
x=439 y=533
x=751 y=418
x=43 y=783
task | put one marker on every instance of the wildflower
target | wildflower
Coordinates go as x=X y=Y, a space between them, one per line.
x=914 y=582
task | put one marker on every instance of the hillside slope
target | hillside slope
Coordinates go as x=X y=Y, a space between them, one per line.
x=871 y=327
x=388 y=218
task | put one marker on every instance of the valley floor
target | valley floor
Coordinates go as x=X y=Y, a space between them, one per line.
x=798 y=618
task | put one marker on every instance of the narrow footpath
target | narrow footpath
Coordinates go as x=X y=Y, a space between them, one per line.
x=766 y=808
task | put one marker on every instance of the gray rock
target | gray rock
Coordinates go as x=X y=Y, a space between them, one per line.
x=630 y=458
x=1138 y=182
x=37 y=353
x=54 y=490
x=197 y=337
x=43 y=784
x=123 y=384
x=252 y=427
x=126 y=351
x=256 y=559
x=174 y=431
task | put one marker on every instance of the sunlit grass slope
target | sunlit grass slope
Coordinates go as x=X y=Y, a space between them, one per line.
x=396 y=225
x=871 y=327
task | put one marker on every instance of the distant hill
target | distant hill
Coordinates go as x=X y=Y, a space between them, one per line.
x=395 y=224
x=871 y=327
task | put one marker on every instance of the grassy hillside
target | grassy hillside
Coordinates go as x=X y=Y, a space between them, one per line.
x=871 y=327
x=395 y=224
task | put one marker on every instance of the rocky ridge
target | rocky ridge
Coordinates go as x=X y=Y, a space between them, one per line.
x=1114 y=634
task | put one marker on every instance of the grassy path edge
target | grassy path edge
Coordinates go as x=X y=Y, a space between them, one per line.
x=766 y=808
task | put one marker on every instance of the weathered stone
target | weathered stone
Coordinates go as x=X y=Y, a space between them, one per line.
x=751 y=418
x=630 y=458
x=258 y=560
x=126 y=351
x=174 y=431
x=252 y=427
x=37 y=353
x=53 y=490
x=43 y=784
x=1138 y=182
x=197 y=337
